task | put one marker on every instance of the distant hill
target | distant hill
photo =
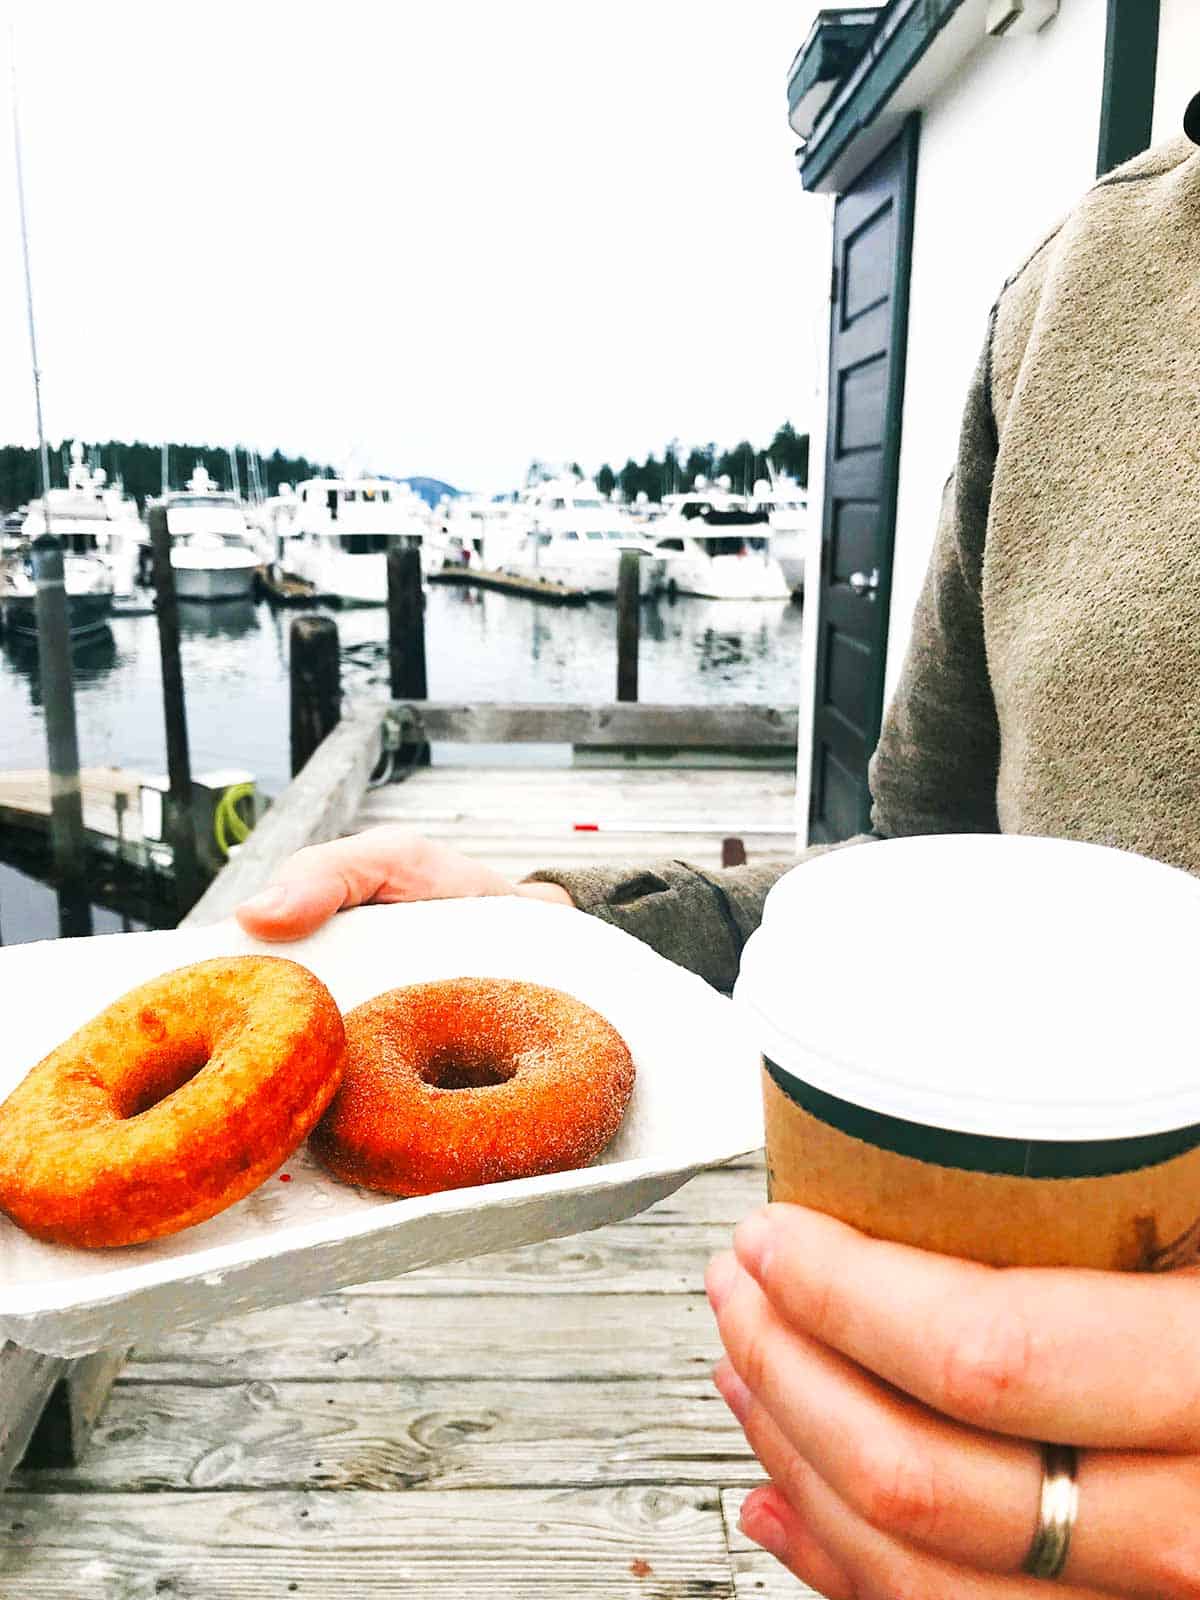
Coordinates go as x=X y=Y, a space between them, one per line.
x=431 y=490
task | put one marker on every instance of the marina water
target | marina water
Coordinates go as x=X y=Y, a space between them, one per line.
x=481 y=646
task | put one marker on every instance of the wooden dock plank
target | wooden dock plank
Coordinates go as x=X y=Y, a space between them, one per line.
x=408 y=1434
x=640 y=815
x=652 y=1543
x=572 y=1339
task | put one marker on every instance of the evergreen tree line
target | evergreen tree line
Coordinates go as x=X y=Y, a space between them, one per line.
x=139 y=467
x=786 y=455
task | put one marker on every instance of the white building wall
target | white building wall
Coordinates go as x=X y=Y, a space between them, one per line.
x=1178 y=76
x=1006 y=148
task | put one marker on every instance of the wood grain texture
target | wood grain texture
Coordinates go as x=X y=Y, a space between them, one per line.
x=652 y=1543
x=568 y=1338
x=407 y=1434
x=729 y=727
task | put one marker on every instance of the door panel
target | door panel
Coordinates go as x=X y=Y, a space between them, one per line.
x=872 y=248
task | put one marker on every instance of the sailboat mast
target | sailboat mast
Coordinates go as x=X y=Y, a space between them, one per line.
x=165 y=469
x=43 y=453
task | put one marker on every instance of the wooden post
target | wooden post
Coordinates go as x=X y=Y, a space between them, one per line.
x=406 y=638
x=62 y=745
x=628 y=624
x=180 y=822
x=316 y=679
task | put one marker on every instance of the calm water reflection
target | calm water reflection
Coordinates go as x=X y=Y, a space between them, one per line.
x=480 y=646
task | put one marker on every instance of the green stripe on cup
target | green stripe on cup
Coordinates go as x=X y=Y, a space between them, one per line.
x=972 y=1152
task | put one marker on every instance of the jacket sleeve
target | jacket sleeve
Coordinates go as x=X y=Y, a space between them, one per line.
x=935 y=767
x=934 y=770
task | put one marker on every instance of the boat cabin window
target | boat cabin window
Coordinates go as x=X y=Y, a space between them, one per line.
x=558 y=505
x=351 y=494
x=331 y=500
x=670 y=544
x=730 y=544
x=365 y=544
x=595 y=533
x=79 y=544
x=570 y=534
x=385 y=495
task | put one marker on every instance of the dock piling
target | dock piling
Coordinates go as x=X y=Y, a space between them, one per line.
x=316 y=683
x=406 y=638
x=628 y=624
x=180 y=823
x=62 y=744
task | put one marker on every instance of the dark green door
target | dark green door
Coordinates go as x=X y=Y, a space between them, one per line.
x=872 y=248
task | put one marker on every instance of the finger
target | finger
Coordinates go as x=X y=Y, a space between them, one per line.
x=292 y=910
x=966 y=1496
x=1086 y=1358
x=770 y=1522
x=870 y=1565
x=383 y=865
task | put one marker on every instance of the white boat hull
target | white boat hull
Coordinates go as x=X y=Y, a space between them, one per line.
x=358 y=580
x=747 y=577
x=214 y=583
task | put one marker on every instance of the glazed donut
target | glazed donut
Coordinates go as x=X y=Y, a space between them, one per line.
x=472 y=1080
x=170 y=1105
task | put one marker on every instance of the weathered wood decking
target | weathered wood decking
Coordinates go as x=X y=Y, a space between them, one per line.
x=535 y=1424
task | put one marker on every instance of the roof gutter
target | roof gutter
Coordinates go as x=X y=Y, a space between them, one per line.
x=905 y=31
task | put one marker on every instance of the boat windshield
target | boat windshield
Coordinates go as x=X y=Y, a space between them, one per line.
x=732 y=544
x=734 y=517
x=365 y=544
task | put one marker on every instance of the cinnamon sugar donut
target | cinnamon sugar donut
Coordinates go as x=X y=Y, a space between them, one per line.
x=174 y=1102
x=469 y=1081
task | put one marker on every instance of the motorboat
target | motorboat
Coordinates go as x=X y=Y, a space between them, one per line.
x=576 y=538
x=87 y=582
x=94 y=521
x=342 y=530
x=786 y=505
x=214 y=553
x=478 y=530
x=718 y=544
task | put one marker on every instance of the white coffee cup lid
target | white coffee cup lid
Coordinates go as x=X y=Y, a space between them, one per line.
x=1001 y=985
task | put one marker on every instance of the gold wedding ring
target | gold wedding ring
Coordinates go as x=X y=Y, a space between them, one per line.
x=1056 y=1512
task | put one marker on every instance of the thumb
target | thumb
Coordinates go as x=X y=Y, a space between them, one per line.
x=292 y=910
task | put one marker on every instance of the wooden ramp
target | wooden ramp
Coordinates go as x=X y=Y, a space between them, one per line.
x=519 y=819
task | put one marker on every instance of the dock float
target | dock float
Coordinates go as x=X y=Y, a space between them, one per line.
x=285 y=589
x=554 y=594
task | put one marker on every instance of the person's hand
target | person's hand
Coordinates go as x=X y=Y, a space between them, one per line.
x=378 y=867
x=894 y=1397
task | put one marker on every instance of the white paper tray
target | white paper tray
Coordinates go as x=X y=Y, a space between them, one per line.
x=696 y=1103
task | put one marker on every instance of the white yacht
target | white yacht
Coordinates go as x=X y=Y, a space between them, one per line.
x=719 y=545
x=95 y=521
x=214 y=554
x=576 y=538
x=89 y=589
x=478 y=530
x=342 y=530
x=786 y=505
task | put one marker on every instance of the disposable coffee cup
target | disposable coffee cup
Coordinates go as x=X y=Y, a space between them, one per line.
x=985 y=1045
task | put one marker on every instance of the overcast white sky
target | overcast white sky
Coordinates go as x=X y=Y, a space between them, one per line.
x=439 y=236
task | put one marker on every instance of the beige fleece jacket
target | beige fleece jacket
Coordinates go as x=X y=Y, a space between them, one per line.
x=1052 y=681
